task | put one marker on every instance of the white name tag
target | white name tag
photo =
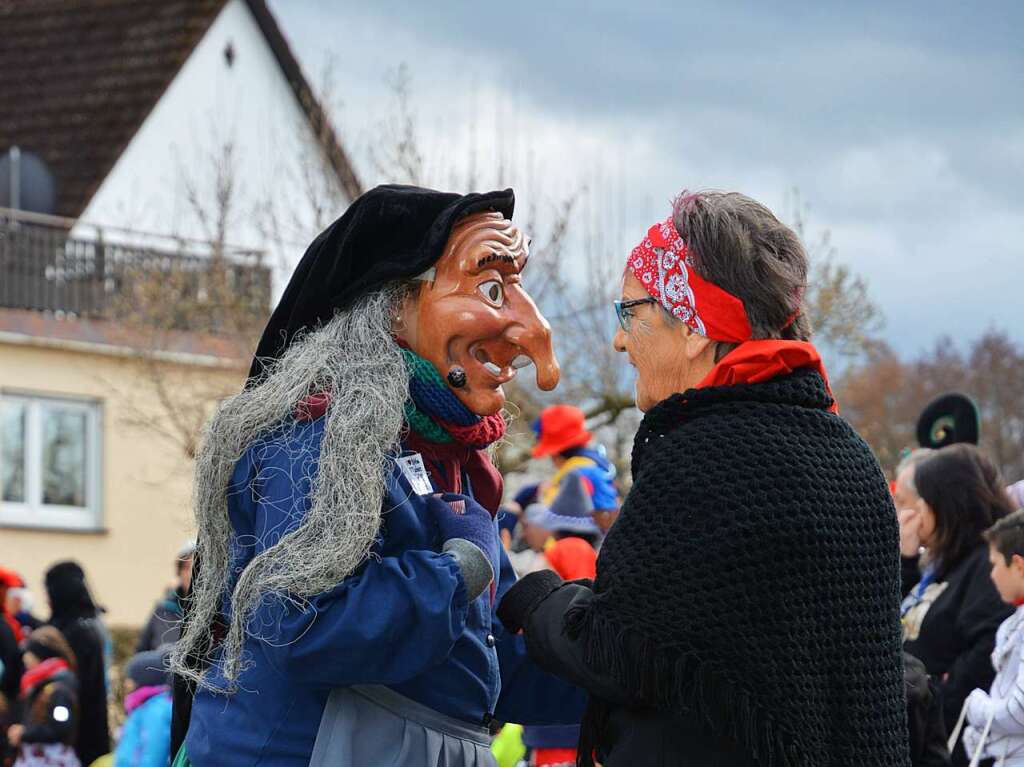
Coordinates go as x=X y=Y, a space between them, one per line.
x=414 y=470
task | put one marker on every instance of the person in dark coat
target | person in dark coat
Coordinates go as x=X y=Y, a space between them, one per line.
x=745 y=610
x=10 y=663
x=164 y=624
x=952 y=613
x=11 y=670
x=569 y=551
x=76 y=616
x=928 y=734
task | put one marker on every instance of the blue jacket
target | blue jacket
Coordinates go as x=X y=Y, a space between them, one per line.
x=601 y=475
x=402 y=619
x=146 y=737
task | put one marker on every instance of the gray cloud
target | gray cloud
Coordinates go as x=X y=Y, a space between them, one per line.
x=903 y=125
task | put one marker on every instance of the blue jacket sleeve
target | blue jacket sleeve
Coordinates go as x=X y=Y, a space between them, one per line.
x=604 y=497
x=392 y=619
x=396 y=618
x=529 y=695
x=130 y=746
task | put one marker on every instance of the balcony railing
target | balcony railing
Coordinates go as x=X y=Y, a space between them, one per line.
x=55 y=265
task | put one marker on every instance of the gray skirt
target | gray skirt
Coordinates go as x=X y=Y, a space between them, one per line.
x=373 y=726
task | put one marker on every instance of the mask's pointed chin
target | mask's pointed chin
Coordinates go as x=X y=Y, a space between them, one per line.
x=482 y=402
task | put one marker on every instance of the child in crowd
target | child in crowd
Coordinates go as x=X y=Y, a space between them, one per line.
x=534 y=538
x=996 y=718
x=146 y=737
x=48 y=704
x=562 y=537
x=571 y=548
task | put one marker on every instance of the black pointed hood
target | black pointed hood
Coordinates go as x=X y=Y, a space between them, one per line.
x=390 y=233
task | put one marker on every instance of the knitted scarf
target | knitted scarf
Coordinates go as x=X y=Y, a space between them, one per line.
x=451 y=438
x=752 y=580
x=436 y=414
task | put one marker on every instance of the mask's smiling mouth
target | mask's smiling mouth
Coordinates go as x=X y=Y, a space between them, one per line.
x=498 y=372
x=484 y=359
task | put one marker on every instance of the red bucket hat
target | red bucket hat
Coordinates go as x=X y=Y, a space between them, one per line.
x=559 y=428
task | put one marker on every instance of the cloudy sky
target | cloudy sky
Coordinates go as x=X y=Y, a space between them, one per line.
x=900 y=125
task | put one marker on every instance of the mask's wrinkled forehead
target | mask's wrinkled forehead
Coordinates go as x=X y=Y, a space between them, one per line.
x=487 y=241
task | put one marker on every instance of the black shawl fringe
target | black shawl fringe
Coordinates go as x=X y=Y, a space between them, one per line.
x=677 y=680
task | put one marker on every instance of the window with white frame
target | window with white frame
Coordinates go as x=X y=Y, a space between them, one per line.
x=50 y=462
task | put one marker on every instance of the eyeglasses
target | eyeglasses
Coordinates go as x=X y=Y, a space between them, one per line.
x=622 y=310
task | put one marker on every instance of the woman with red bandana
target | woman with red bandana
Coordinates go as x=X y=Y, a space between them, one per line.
x=745 y=610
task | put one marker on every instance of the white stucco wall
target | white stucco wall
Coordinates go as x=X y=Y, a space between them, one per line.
x=249 y=106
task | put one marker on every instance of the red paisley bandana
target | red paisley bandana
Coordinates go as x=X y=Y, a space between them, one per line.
x=664 y=267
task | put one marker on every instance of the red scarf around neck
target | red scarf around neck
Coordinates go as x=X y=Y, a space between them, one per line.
x=36 y=676
x=446 y=463
x=757 y=361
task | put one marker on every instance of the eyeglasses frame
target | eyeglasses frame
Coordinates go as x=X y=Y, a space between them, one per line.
x=620 y=305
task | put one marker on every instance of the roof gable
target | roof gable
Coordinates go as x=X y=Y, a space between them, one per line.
x=81 y=76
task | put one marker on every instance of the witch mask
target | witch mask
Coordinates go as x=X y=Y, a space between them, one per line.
x=473 y=319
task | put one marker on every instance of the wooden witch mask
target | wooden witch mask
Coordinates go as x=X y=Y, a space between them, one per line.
x=473 y=319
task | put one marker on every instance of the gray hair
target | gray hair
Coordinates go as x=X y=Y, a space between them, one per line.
x=909 y=461
x=355 y=358
x=740 y=246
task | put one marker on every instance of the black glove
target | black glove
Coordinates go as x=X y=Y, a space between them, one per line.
x=522 y=599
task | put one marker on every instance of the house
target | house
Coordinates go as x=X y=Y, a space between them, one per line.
x=145 y=145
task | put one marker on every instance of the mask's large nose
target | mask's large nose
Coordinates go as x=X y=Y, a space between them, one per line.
x=532 y=333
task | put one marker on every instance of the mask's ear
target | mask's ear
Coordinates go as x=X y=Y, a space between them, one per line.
x=405 y=320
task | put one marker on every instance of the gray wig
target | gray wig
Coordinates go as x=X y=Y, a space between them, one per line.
x=355 y=358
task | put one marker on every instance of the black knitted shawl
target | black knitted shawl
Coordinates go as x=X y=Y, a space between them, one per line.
x=753 y=579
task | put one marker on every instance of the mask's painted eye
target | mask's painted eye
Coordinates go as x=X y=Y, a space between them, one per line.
x=493 y=291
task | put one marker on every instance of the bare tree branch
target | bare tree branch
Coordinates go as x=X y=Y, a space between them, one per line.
x=395 y=152
x=846 y=321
